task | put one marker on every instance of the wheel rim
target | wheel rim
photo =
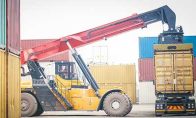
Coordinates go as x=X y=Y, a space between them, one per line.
x=24 y=105
x=115 y=105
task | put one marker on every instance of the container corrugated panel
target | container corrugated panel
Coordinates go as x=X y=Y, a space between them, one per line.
x=191 y=39
x=14 y=91
x=2 y=24
x=146 y=92
x=26 y=44
x=3 y=86
x=129 y=89
x=13 y=26
x=174 y=71
x=114 y=73
x=146 y=69
x=146 y=46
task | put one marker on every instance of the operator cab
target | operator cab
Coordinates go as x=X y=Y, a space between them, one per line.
x=66 y=70
x=69 y=72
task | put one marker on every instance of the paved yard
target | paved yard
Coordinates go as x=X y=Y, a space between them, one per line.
x=146 y=110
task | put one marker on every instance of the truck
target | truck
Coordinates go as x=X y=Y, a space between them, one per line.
x=174 y=82
x=58 y=94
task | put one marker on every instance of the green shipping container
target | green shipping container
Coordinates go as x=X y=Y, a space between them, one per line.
x=2 y=24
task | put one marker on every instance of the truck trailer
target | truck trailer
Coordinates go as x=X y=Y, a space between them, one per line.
x=174 y=82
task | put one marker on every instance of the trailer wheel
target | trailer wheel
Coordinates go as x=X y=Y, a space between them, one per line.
x=117 y=104
x=28 y=105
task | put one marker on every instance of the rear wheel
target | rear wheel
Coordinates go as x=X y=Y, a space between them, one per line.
x=117 y=104
x=28 y=105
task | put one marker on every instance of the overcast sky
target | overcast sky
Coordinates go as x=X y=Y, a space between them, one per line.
x=46 y=19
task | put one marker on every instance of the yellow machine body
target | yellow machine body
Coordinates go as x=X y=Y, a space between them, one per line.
x=81 y=97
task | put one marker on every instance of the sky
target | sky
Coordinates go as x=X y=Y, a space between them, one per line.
x=49 y=19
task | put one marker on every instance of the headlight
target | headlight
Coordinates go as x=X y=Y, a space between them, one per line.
x=189 y=107
x=193 y=106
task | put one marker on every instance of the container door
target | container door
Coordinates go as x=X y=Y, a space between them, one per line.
x=164 y=72
x=183 y=69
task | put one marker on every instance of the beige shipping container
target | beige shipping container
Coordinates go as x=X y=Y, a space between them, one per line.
x=9 y=85
x=14 y=91
x=3 y=84
x=114 y=73
x=116 y=76
x=174 y=68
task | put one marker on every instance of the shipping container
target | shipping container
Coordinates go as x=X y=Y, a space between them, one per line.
x=14 y=91
x=114 y=73
x=174 y=68
x=146 y=45
x=146 y=69
x=2 y=24
x=13 y=26
x=146 y=92
x=3 y=86
x=129 y=89
x=9 y=85
x=30 y=43
x=116 y=76
x=192 y=40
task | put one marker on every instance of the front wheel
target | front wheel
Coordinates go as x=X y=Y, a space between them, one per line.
x=28 y=105
x=117 y=104
x=39 y=111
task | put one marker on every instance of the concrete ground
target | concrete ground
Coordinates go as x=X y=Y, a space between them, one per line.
x=144 y=110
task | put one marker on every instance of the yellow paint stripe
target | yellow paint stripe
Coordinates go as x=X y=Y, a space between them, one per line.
x=160 y=110
x=190 y=110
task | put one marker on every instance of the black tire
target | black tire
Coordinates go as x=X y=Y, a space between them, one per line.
x=39 y=111
x=122 y=101
x=158 y=114
x=29 y=105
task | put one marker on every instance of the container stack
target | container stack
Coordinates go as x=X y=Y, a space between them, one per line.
x=146 y=66
x=10 y=59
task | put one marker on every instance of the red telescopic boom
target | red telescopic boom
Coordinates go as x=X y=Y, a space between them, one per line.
x=164 y=14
